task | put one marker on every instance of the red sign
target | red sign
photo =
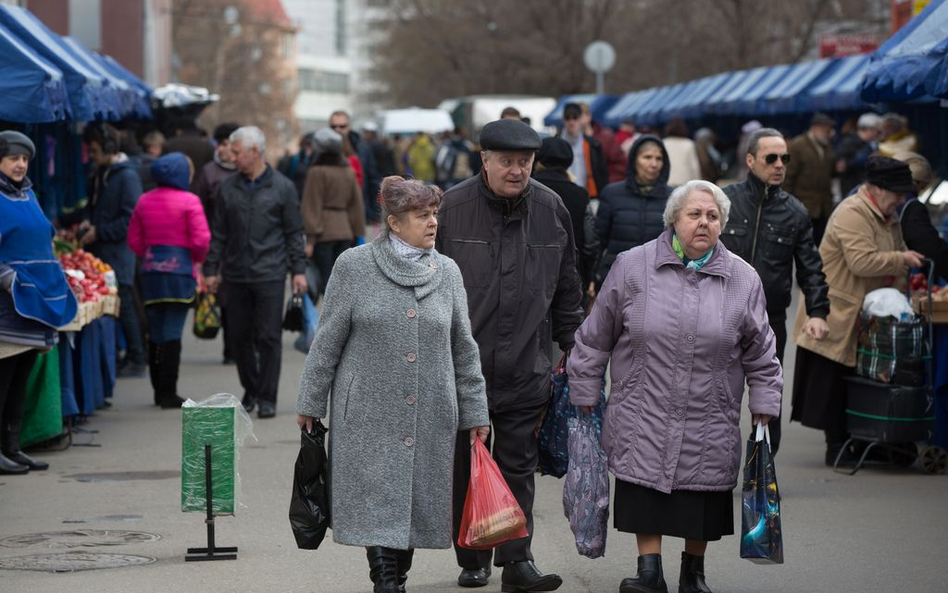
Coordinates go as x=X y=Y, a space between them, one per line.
x=840 y=46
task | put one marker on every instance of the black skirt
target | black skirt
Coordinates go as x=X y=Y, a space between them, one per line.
x=703 y=516
x=819 y=392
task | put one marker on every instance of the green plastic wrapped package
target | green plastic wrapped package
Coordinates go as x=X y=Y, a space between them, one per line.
x=221 y=422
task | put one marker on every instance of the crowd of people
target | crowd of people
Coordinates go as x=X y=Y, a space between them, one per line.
x=443 y=296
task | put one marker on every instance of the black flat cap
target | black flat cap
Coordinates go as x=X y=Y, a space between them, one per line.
x=889 y=174
x=821 y=119
x=13 y=143
x=555 y=152
x=509 y=134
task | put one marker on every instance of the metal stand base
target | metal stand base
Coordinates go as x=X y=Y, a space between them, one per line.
x=211 y=552
x=870 y=445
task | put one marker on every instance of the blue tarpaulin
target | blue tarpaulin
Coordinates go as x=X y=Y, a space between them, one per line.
x=138 y=85
x=33 y=90
x=650 y=113
x=913 y=63
x=839 y=89
x=130 y=100
x=792 y=93
x=89 y=96
x=628 y=106
x=598 y=106
x=690 y=103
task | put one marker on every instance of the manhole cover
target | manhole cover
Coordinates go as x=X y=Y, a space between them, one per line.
x=72 y=561
x=80 y=538
x=125 y=476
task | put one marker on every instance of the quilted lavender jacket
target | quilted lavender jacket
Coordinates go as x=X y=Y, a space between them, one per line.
x=681 y=343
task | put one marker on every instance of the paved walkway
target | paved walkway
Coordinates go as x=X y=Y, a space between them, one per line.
x=879 y=531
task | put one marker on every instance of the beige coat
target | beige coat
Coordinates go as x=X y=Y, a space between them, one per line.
x=861 y=252
x=331 y=205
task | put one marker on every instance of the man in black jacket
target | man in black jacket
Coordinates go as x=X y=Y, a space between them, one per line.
x=770 y=229
x=256 y=236
x=513 y=240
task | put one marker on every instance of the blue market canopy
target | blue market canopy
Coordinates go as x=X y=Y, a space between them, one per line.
x=598 y=106
x=129 y=99
x=33 y=89
x=838 y=90
x=628 y=106
x=792 y=93
x=89 y=96
x=913 y=63
x=650 y=112
x=689 y=103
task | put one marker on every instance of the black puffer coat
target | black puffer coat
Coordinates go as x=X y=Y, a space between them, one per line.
x=628 y=218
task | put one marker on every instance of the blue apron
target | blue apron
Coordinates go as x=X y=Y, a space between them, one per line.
x=167 y=275
x=39 y=292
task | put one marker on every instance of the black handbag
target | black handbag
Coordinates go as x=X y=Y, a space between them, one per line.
x=309 y=505
x=293 y=320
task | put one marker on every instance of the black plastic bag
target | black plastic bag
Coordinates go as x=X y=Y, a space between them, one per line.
x=309 y=505
x=293 y=320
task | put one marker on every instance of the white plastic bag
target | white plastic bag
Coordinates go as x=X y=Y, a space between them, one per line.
x=886 y=302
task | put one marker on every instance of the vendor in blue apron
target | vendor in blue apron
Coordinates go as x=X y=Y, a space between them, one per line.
x=35 y=298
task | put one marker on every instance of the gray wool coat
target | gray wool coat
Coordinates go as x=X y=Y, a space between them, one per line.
x=394 y=347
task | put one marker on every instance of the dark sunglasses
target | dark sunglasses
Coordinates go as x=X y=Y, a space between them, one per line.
x=772 y=158
x=339 y=126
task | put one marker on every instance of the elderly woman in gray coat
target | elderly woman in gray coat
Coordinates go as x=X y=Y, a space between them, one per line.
x=684 y=323
x=394 y=346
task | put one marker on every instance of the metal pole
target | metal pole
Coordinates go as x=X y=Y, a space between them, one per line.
x=600 y=85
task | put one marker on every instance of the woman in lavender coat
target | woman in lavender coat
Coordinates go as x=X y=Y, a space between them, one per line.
x=684 y=323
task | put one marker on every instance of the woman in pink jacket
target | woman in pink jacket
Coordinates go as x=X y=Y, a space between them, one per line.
x=684 y=323
x=169 y=232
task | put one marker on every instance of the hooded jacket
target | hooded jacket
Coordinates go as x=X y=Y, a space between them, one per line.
x=170 y=214
x=627 y=217
x=518 y=260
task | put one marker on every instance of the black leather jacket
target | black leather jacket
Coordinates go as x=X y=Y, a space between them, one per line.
x=770 y=229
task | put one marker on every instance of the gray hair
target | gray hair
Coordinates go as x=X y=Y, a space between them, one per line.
x=869 y=121
x=250 y=136
x=754 y=139
x=676 y=201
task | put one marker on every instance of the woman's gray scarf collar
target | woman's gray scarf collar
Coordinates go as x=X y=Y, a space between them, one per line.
x=424 y=275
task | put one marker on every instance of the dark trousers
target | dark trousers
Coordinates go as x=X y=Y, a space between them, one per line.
x=14 y=371
x=228 y=340
x=324 y=256
x=819 y=228
x=778 y=323
x=515 y=450
x=254 y=319
x=166 y=321
x=131 y=329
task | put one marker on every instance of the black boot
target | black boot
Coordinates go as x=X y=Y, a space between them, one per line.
x=525 y=576
x=170 y=361
x=154 y=369
x=692 y=574
x=650 y=578
x=11 y=448
x=383 y=569
x=404 y=565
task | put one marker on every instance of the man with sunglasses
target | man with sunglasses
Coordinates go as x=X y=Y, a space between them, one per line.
x=341 y=123
x=770 y=229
